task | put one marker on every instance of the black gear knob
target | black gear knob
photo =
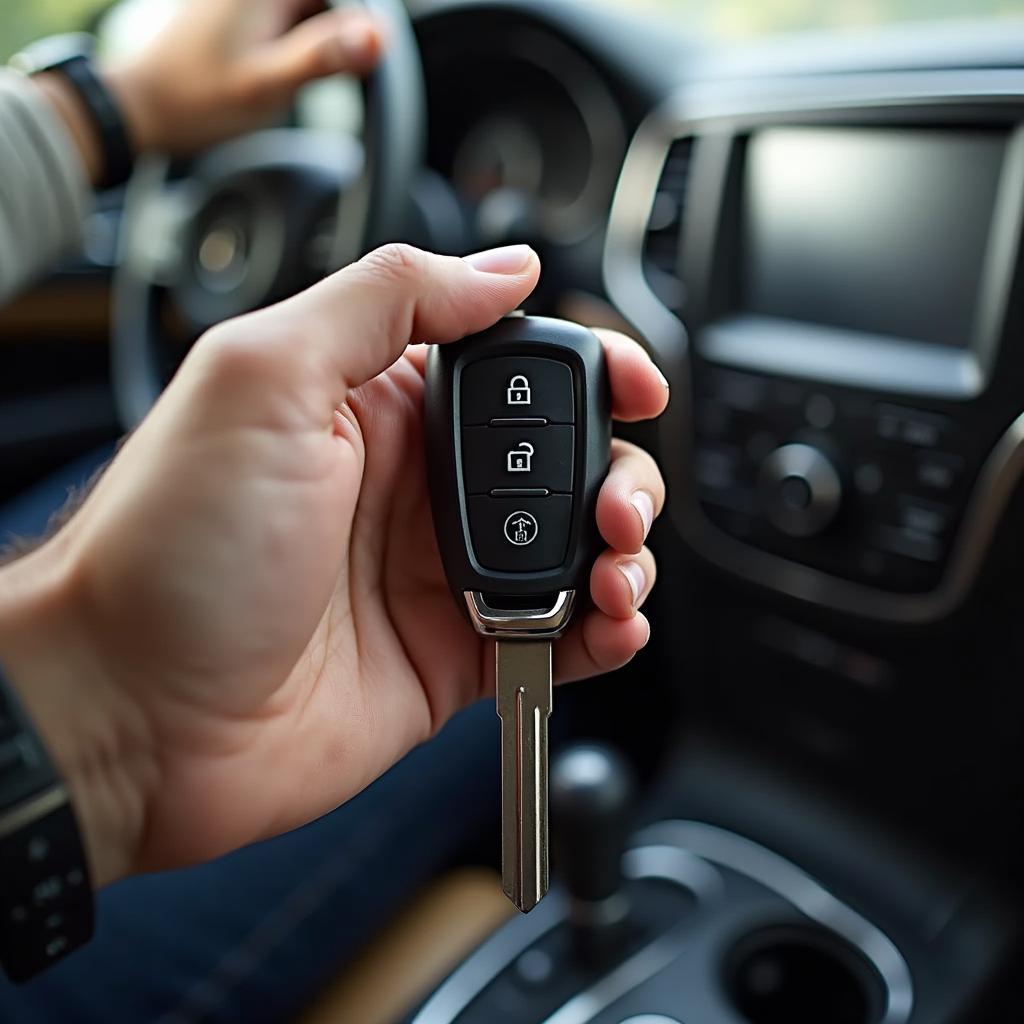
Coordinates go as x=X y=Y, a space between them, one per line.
x=592 y=789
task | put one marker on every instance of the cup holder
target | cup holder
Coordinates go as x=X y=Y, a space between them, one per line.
x=796 y=974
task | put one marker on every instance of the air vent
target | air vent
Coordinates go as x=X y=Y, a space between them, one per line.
x=665 y=227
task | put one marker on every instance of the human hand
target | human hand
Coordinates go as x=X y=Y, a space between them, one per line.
x=223 y=67
x=220 y=68
x=247 y=621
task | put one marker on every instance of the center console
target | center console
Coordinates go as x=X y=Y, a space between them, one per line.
x=682 y=922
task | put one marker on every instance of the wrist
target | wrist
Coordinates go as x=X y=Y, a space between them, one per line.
x=68 y=106
x=94 y=735
x=132 y=92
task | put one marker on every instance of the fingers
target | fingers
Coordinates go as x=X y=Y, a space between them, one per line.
x=639 y=389
x=362 y=318
x=599 y=644
x=631 y=497
x=619 y=584
x=334 y=42
x=610 y=634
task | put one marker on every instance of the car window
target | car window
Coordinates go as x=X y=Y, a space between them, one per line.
x=733 y=19
x=21 y=21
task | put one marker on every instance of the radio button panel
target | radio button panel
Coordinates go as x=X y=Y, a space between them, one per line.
x=883 y=486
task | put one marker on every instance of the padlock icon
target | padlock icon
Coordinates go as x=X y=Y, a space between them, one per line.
x=518 y=390
x=519 y=459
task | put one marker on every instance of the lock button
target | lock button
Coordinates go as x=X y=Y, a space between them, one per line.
x=516 y=387
x=518 y=458
x=519 y=392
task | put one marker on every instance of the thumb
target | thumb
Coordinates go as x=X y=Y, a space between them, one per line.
x=362 y=318
x=330 y=43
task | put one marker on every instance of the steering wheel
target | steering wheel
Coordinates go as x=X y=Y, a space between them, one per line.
x=258 y=218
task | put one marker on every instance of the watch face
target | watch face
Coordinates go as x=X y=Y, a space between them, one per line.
x=52 y=51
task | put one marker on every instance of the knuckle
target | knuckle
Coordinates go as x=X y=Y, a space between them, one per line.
x=394 y=262
x=232 y=354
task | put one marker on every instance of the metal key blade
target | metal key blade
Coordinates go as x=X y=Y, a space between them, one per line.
x=523 y=676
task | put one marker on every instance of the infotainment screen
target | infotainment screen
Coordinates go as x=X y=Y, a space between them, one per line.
x=878 y=230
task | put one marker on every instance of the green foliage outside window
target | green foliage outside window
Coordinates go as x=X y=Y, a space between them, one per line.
x=24 y=20
x=21 y=21
x=738 y=19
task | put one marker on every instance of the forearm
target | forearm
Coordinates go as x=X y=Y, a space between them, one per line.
x=97 y=741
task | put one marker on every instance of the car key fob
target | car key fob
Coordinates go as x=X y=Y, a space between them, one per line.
x=518 y=435
x=518 y=424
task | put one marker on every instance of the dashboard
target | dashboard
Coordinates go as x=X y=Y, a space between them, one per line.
x=527 y=126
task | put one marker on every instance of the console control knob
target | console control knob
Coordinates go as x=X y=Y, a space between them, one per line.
x=800 y=490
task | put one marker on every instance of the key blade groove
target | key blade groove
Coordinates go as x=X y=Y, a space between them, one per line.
x=523 y=676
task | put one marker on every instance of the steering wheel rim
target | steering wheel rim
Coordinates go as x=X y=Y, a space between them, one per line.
x=371 y=210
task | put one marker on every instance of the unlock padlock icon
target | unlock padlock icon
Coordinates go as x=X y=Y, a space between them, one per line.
x=518 y=390
x=520 y=458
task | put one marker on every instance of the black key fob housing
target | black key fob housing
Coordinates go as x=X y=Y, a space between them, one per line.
x=518 y=430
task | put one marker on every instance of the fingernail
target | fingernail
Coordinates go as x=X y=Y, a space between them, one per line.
x=647 y=639
x=509 y=259
x=644 y=504
x=635 y=577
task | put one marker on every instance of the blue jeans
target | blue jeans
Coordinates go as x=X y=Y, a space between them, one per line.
x=251 y=937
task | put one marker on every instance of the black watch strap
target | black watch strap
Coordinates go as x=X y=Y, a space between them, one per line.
x=46 y=905
x=118 y=154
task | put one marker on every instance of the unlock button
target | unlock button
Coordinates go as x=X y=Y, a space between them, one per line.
x=519 y=458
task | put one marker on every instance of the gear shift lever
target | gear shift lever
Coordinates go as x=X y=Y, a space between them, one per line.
x=591 y=793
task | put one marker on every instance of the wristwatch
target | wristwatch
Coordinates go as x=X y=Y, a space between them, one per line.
x=46 y=904
x=70 y=55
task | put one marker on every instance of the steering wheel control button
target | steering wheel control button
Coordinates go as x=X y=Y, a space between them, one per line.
x=517 y=388
x=520 y=534
x=499 y=458
x=800 y=490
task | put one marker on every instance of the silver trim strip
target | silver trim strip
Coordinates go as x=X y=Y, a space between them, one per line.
x=526 y=624
x=694 y=111
x=33 y=809
x=630 y=974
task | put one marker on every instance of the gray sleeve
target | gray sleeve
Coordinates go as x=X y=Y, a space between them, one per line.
x=44 y=192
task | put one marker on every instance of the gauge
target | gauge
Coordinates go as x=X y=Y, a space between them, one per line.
x=530 y=136
x=500 y=152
